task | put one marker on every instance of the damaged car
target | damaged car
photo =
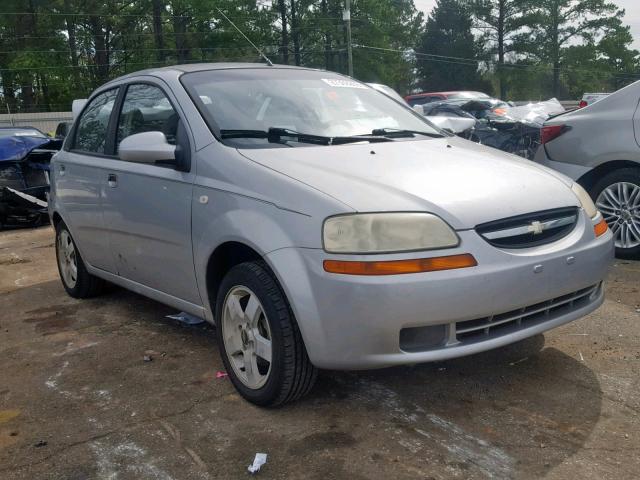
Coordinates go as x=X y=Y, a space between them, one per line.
x=316 y=223
x=25 y=155
x=498 y=124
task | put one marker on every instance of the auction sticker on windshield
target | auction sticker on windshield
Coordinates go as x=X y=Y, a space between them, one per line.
x=335 y=82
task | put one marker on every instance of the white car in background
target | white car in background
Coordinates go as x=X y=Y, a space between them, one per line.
x=591 y=98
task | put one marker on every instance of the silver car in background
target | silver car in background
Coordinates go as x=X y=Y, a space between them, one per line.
x=316 y=222
x=598 y=146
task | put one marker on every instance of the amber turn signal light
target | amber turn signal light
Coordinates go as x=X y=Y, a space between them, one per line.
x=396 y=267
x=600 y=228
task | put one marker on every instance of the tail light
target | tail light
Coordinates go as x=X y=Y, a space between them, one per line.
x=550 y=132
x=582 y=104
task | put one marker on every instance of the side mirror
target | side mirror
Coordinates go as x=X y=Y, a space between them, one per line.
x=147 y=147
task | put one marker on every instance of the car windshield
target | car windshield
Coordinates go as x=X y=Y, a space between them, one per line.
x=307 y=102
x=21 y=132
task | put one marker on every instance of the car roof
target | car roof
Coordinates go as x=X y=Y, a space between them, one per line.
x=201 y=67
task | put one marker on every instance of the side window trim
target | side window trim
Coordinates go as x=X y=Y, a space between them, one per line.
x=74 y=134
x=112 y=128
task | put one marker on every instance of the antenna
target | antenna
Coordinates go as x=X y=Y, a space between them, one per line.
x=266 y=59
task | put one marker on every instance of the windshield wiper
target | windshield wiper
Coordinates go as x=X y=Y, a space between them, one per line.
x=399 y=133
x=276 y=135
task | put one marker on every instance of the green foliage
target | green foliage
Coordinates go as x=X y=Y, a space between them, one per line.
x=558 y=27
x=56 y=50
x=447 y=50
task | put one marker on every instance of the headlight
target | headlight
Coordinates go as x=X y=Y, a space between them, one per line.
x=386 y=232
x=585 y=200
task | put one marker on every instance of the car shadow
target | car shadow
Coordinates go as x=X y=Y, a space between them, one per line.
x=521 y=408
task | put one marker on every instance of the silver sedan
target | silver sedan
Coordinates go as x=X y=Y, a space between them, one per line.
x=316 y=222
x=599 y=147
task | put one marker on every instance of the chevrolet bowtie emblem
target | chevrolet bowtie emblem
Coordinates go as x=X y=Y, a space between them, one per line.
x=536 y=228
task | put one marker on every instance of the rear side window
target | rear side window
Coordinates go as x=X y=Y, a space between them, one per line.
x=91 y=135
x=147 y=109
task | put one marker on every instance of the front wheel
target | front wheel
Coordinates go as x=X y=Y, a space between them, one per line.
x=617 y=196
x=258 y=337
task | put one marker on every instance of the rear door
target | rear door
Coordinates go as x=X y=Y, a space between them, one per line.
x=78 y=179
x=147 y=207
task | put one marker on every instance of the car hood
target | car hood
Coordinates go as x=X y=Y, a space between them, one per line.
x=465 y=183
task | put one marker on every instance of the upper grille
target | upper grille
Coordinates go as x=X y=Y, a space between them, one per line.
x=530 y=230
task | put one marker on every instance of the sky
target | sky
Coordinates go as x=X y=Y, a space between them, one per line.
x=631 y=18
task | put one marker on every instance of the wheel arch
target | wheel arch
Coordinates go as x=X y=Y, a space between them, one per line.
x=56 y=218
x=223 y=258
x=589 y=179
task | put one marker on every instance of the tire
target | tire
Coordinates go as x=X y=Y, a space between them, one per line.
x=623 y=219
x=84 y=285
x=265 y=315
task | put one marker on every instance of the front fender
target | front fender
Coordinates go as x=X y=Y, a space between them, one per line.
x=227 y=217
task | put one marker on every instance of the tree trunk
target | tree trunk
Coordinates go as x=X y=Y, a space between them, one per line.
x=295 y=32
x=101 y=58
x=45 y=92
x=9 y=92
x=328 y=64
x=180 y=30
x=26 y=27
x=501 y=71
x=157 y=7
x=555 y=49
x=73 y=45
x=284 y=47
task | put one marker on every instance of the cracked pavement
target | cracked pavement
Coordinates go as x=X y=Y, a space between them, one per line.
x=78 y=400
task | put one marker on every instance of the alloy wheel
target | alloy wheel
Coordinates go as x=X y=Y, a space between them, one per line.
x=620 y=206
x=247 y=337
x=67 y=259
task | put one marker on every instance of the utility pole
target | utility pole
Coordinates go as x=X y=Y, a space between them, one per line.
x=346 y=16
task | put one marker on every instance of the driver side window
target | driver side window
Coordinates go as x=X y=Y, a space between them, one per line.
x=146 y=109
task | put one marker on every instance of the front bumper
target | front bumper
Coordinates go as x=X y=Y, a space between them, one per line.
x=355 y=322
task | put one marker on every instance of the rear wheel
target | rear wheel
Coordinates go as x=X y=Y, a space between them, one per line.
x=261 y=346
x=76 y=280
x=617 y=196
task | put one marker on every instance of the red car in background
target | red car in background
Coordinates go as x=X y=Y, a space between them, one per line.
x=422 y=98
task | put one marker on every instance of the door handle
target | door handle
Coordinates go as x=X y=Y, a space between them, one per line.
x=61 y=170
x=112 y=180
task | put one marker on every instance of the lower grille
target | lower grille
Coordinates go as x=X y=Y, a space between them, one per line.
x=471 y=331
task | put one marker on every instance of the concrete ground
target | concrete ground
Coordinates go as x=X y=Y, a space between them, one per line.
x=78 y=401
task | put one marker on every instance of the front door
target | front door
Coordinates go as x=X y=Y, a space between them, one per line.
x=78 y=173
x=147 y=207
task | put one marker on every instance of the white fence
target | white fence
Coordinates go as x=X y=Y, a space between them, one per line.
x=44 y=121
